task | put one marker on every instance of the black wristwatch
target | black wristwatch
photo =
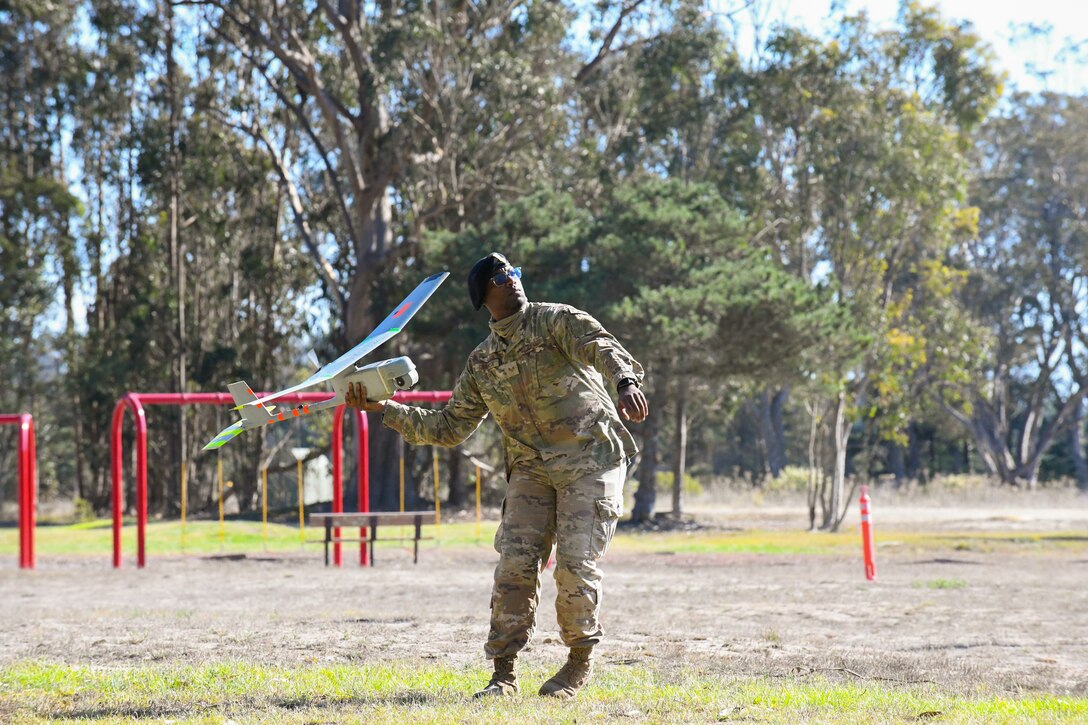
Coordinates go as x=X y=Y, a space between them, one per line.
x=624 y=382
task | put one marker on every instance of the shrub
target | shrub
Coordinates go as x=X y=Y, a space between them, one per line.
x=663 y=481
x=84 y=511
x=792 y=479
x=961 y=482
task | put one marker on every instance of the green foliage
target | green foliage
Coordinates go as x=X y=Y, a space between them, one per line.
x=792 y=479
x=84 y=510
x=665 y=480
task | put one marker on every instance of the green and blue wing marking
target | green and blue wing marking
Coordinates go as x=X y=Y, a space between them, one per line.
x=225 y=435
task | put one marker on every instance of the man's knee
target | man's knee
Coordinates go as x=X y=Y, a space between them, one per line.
x=585 y=533
x=581 y=575
x=519 y=566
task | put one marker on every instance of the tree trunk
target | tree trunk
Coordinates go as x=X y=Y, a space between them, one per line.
x=896 y=463
x=777 y=446
x=1076 y=447
x=770 y=439
x=914 y=454
x=841 y=436
x=680 y=447
x=646 y=494
x=458 y=496
x=814 y=463
x=177 y=253
x=385 y=470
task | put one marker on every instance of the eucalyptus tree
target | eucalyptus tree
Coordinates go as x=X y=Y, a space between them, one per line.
x=39 y=68
x=1028 y=285
x=871 y=185
x=377 y=90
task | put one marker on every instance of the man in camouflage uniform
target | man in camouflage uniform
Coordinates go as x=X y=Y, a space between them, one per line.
x=542 y=374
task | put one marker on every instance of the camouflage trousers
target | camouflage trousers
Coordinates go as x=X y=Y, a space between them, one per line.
x=577 y=514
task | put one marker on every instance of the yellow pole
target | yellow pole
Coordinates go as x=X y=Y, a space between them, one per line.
x=477 y=502
x=437 y=505
x=219 y=469
x=402 y=479
x=301 y=509
x=264 y=507
x=184 y=496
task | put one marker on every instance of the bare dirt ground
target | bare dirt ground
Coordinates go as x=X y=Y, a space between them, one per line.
x=1010 y=621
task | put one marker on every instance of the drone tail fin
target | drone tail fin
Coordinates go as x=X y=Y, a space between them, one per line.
x=253 y=415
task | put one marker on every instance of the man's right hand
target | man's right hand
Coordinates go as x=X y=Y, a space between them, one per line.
x=356 y=398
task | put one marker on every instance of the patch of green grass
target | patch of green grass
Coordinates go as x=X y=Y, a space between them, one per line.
x=405 y=692
x=941 y=584
x=947 y=584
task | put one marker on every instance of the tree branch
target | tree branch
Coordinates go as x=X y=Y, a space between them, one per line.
x=325 y=270
x=606 y=45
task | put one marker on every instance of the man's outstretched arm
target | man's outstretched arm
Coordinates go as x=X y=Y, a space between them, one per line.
x=449 y=426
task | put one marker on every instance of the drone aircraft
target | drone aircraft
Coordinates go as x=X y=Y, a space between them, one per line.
x=381 y=379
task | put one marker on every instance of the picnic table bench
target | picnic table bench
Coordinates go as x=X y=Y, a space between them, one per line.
x=372 y=521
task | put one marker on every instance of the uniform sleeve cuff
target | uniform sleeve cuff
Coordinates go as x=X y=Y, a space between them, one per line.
x=393 y=415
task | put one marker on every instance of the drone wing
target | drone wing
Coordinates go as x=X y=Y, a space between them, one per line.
x=389 y=327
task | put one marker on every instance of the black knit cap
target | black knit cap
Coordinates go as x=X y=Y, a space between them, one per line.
x=481 y=274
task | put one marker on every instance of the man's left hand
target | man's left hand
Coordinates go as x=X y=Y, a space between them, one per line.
x=633 y=404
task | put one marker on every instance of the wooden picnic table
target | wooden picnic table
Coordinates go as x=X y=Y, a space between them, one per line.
x=372 y=521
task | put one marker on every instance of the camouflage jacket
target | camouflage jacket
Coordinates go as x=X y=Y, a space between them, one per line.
x=541 y=373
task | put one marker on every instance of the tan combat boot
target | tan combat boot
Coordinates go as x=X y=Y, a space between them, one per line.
x=572 y=676
x=504 y=681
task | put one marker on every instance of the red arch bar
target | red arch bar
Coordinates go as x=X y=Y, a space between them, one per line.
x=136 y=401
x=28 y=485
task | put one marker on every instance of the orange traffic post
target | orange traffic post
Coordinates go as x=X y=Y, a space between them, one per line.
x=867 y=546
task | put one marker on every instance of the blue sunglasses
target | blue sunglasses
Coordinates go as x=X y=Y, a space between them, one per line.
x=503 y=277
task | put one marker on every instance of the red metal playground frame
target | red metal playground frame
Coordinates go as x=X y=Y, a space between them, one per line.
x=136 y=402
x=28 y=485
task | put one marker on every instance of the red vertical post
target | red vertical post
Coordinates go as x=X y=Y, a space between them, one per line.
x=27 y=493
x=337 y=476
x=116 y=475
x=130 y=400
x=24 y=498
x=867 y=536
x=141 y=482
x=362 y=475
x=22 y=502
x=31 y=488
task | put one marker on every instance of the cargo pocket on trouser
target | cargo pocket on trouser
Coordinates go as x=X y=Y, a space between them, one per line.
x=606 y=516
x=498 y=532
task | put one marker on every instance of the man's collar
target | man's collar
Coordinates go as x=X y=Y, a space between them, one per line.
x=507 y=326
